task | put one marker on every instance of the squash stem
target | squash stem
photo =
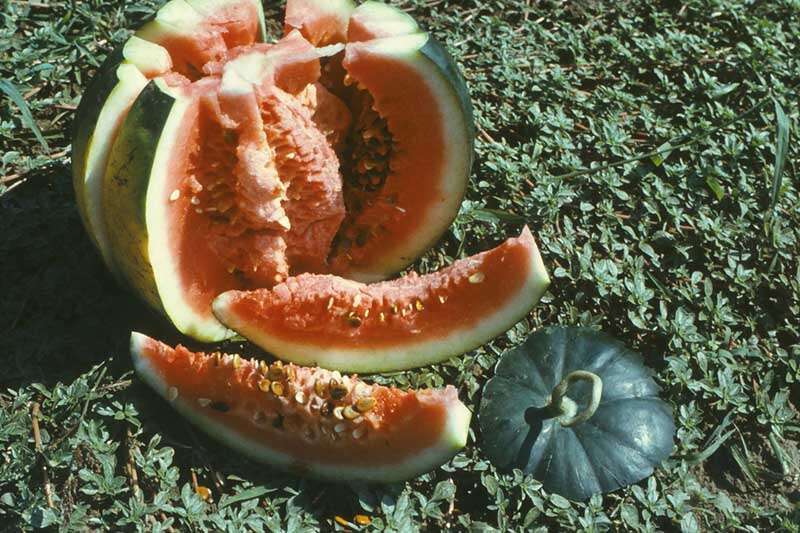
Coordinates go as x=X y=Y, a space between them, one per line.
x=565 y=408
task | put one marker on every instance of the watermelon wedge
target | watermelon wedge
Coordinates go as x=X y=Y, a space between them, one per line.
x=307 y=420
x=416 y=320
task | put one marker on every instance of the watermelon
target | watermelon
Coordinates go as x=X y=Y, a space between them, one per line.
x=307 y=420
x=316 y=319
x=206 y=160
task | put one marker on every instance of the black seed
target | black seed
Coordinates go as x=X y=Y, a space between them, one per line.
x=222 y=407
x=278 y=422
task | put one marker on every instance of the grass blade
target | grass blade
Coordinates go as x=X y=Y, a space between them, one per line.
x=781 y=149
x=27 y=117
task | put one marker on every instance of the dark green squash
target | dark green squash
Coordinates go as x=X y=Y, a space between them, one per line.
x=610 y=431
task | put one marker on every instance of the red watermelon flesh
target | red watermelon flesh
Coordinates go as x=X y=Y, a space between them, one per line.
x=308 y=420
x=404 y=323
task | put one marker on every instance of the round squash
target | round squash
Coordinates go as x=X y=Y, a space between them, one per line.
x=578 y=410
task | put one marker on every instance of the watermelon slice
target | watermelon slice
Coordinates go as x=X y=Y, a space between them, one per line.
x=217 y=162
x=307 y=420
x=155 y=50
x=336 y=323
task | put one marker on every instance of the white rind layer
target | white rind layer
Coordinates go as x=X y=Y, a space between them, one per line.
x=453 y=436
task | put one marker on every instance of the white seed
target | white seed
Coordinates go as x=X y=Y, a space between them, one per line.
x=477 y=277
x=284 y=221
x=172 y=394
x=330 y=303
x=203 y=402
x=357 y=300
x=175 y=195
x=359 y=432
x=340 y=427
x=300 y=397
x=338 y=412
x=442 y=299
x=198 y=211
x=195 y=200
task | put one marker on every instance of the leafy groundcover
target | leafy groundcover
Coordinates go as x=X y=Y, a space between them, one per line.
x=688 y=255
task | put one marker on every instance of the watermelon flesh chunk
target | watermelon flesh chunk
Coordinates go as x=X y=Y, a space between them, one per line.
x=337 y=323
x=307 y=420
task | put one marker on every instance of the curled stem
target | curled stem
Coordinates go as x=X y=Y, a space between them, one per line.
x=566 y=408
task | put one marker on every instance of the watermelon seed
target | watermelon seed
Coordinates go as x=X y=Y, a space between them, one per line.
x=320 y=388
x=300 y=397
x=359 y=432
x=277 y=388
x=365 y=404
x=419 y=305
x=477 y=277
x=404 y=312
x=327 y=409
x=198 y=211
x=203 y=402
x=278 y=422
x=195 y=200
x=259 y=417
x=340 y=427
x=172 y=394
x=366 y=313
x=263 y=367
x=349 y=413
x=357 y=300
x=330 y=303
x=442 y=299
x=175 y=195
x=276 y=371
x=337 y=390
x=394 y=309
x=237 y=361
x=338 y=412
x=264 y=385
x=383 y=317
x=353 y=319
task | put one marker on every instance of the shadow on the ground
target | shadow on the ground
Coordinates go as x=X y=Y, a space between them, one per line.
x=60 y=310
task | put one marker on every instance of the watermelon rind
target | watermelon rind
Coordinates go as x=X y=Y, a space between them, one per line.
x=453 y=436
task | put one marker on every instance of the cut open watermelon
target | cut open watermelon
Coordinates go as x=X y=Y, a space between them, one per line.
x=205 y=160
x=307 y=420
x=336 y=323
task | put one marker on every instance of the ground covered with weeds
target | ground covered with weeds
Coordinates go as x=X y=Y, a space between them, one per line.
x=688 y=255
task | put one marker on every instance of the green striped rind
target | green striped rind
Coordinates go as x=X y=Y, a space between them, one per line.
x=83 y=126
x=432 y=62
x=452 y=439
x=125 y=187
x=362 y=358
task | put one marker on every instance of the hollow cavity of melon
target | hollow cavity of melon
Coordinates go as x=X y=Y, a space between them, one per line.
x=416 y=320
x=307 y=420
